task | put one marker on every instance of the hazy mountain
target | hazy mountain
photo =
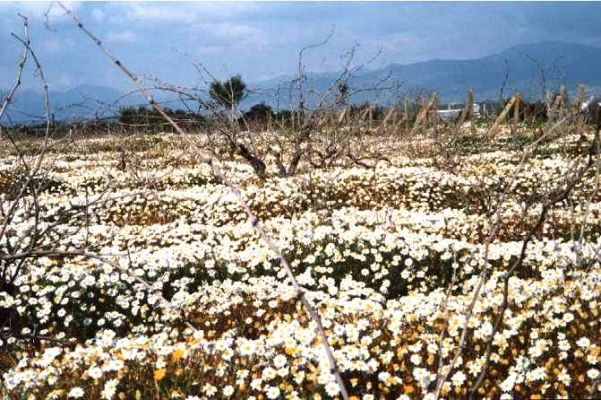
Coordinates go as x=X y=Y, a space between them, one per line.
x=83 y=101
x=521 y=67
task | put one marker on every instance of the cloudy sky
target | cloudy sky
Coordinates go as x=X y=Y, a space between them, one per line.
x=262 y=40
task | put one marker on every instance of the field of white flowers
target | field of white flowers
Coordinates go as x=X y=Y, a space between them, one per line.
x=186 y=301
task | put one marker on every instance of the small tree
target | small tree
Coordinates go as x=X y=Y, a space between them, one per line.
x=228 y=93
x=260 y=114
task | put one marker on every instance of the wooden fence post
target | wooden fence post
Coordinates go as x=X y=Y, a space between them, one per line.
x=467 y=112
x=390 y=116
x=494 y=128
x=556 y=107
x=581 y=117
x=434 y=110
x=580 y=100
x=423 y=113
x=564 y=101
x=516 y=109
x=342 y=116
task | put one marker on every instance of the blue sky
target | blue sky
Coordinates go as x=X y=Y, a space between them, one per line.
x=262 y=40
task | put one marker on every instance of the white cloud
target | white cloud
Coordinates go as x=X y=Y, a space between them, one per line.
x=236 y=33
x=184 y=13
x=122 y=37
x=99 y=15
x=211 y=24
x=159 y=13
x=63 y=81
x=51 y=45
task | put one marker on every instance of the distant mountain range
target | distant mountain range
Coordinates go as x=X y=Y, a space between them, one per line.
x=524 y=68
x=81 y=102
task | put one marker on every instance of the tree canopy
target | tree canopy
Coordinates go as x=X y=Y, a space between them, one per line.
x=228 y=93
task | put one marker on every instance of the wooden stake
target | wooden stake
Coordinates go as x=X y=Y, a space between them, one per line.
x=581 y=117
x=342 y=116
x=390 y=116
x=494 y=128
x=563 y=101
x=516 y=109
x=466 y=114
x=580 y=96
x=434 y=110
x=423 y=113
x=555 y=107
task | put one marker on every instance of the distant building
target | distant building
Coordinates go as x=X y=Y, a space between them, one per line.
x=454 y=110
x=592 y=102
